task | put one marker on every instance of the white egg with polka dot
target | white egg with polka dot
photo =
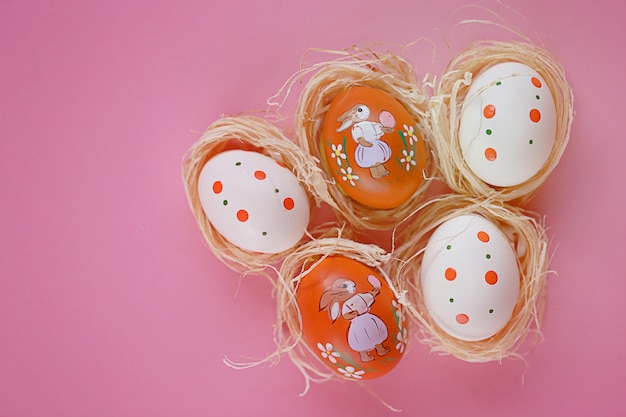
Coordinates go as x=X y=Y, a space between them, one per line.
x=254 y=201
x=508 y=124
x=470 y=278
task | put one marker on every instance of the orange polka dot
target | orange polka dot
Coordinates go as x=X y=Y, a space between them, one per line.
x=536 y=82
x=462 y=318
x=242 y=216
x=535 y=115
x=259 y=175
x=491 y=277
x=218 y=187
x=490 y=154
x=489 y=111
x=288 y=203
x=483 y=236
x=450 y=274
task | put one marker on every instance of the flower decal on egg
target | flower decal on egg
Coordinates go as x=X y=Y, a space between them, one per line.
x=408 y=159
x=349 y=176
x=328 y=352
x=337 y=153
x=351 y=372
x=403 y=339
x=409 y=132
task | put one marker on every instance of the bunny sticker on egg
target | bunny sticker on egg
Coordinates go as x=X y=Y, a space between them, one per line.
x=367 y=332
x=371 y=151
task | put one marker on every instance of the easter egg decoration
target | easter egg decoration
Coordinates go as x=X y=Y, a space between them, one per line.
x=350 y=318
x=253 y=201
x=372 y=148
x=469 y=276
x=508 y=124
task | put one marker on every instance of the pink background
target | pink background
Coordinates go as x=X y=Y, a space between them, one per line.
x=110 y=302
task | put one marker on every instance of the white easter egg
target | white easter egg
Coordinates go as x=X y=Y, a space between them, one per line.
x=470 y=278
x=508 y=124
x=253 y=201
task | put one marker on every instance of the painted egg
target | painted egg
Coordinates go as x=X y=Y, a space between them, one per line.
x=372 y=148
x=470 y=278
x=253 y=201
x=508 y=124
x=351 y=319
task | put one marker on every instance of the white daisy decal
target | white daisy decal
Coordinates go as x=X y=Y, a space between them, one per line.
x=350 y=372
x=408 y=159
x=328 y=352
x=409 y=132
x=337 y=153
x=349 y=176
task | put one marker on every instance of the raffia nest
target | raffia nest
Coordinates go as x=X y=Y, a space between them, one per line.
x=445 y=110
x=288 y=334
x=528 y=241
x=247 y=133
x=386 y=72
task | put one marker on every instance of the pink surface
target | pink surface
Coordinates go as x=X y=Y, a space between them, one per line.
x=110 y=302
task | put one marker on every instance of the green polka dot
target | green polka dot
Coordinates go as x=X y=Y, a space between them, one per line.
x=276 y=190
x=488 y=131
x=264 y=233
x=238 y=163
x=490 y=310
x=452 y=300
x=530 y=141
x=488 y=256
x=499 y=83
x=225 y=202
x=537 y=96
x=449 y=247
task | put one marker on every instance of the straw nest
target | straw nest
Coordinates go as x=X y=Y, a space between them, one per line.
x=528 y=241
x=253 y=134
x=445 y=110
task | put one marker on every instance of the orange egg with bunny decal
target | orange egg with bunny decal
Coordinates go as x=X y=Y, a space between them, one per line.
x=372 y=148
x=351 y=319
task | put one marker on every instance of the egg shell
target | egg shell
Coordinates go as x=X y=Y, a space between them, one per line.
x=470 y=278
x=508 y=124
x=254 y=201
x=371 y=146
x=351 y=319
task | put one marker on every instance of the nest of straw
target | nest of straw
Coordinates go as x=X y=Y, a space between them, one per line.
x=445 y=110
x=386 y=72
x=528 y=240
x=247 y=133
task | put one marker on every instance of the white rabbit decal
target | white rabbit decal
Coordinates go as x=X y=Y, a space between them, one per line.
x=371 y=151
x=367 y=332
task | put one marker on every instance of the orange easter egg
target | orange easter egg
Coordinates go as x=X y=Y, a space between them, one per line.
x=351 y=318
x=372 y=148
